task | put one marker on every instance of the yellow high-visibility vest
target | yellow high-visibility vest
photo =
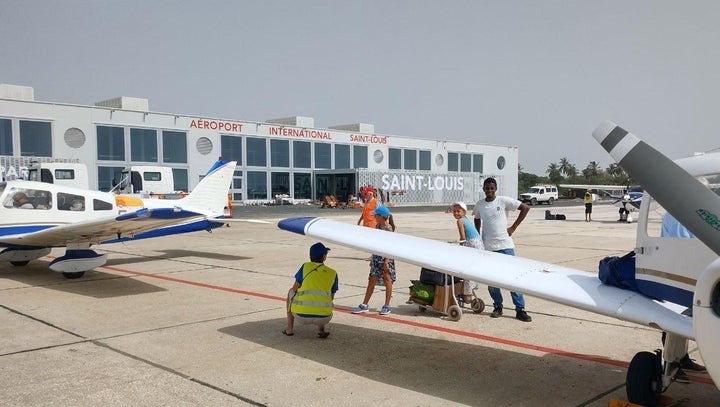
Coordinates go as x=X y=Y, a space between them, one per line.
x=314 y=295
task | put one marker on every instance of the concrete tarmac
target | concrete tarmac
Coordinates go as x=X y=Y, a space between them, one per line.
x=196 y=319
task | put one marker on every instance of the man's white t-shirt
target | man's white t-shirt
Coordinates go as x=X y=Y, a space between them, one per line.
x=494 y=221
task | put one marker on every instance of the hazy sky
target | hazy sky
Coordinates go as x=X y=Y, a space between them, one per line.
x=540 y=75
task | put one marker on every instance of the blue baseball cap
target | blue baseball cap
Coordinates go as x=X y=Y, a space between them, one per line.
x=318 y=250
x=381 y=210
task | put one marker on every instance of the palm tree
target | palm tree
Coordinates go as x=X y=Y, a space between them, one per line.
x=553 y=173
x=594 y=168
x=591 y=171
x=565 y=166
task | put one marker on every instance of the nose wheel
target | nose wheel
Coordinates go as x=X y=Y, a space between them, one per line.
x=644 y=382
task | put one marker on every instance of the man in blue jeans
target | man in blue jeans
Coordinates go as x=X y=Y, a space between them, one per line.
x=491 y=214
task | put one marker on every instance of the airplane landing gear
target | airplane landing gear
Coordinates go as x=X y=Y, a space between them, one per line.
x=643 y=382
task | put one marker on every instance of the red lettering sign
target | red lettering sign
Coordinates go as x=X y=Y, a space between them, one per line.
x=216 y=125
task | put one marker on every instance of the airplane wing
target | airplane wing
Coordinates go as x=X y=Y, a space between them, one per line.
x=563 y=285
x=588 y=186
x=99 y=230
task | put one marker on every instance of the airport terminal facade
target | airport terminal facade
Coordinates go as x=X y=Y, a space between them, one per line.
x=287 y=157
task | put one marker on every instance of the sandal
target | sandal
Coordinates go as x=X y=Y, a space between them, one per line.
x=323 y=334
x=287 y=333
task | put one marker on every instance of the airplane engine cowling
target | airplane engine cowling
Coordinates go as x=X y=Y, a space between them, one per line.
x=706 y=318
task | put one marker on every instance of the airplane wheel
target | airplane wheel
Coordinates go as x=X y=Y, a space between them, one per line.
x=477 y=305
x=74 y=275
x=454 y=313
x=643 y=379
x=20 y=263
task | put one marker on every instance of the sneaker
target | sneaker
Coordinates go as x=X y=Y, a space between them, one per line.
x=689 y=364
x=497 y=312
x=385 y=310
x=522 y=315
x=360 y=309
x=681 y=377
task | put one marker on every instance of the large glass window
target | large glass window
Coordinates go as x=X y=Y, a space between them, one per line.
x=257 y=185
x=35 y=139
x=111 y=143
x=394 y=158
x=465 y=162
x=180 y=179
x=342 y=156
x=322 y=155
x=6 y=137
x=301 y=154
x=410 y=159
x=231 y=148
x=424 y=160
x=174 y=146
x=478 y=163
x=360 y=157
x=302 y=186
x=108 y=176
x=256 y=152
x=143 y=145
x=453 y=162
x=279 y=153
x=279 y=183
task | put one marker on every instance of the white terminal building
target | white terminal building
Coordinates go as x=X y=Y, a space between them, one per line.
x=286 y=157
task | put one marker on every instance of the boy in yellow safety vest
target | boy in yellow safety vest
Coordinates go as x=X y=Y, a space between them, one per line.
x=310 y=299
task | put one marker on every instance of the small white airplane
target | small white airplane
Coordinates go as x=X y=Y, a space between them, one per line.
x=630 y=198
x=663 y=269
x=37 y=216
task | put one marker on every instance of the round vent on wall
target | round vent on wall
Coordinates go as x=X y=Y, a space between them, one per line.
x=378 y=156
x=501 y=162
x=204 y=146
x=439 y=160
x=74 y=137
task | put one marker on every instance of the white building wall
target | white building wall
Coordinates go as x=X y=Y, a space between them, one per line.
x=64 y=116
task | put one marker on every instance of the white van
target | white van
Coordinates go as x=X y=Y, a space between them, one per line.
x=146 y=180
x=67 y=174
x=539 y=194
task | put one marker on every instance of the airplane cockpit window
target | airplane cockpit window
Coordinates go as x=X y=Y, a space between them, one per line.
x=70 y=202
x=25 y=198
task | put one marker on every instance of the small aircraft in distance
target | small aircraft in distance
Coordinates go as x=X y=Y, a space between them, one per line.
x=669 y=279
x=37 y=216
x=629 y=199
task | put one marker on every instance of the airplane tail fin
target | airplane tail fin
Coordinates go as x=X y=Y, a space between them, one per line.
x=210 y=195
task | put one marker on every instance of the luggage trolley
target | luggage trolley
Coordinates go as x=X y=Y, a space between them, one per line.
x=445 y=290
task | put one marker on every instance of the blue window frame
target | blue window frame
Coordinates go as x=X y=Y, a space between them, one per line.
x=110 y=143
x=256 y=151
x=35 y=139
x=174 y=146
x=231 y=148
x=6 y=146
x=143 y=145
x=360 y=157
x=302 y=156
x=342 y=156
